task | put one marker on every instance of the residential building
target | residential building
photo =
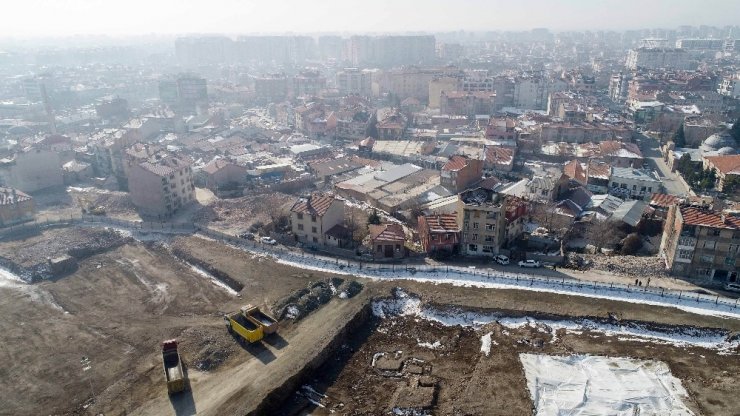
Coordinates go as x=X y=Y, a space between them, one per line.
x=312 y=217
x=460 y=172
x=388 y=241
x=308 y=83
x=469 y=104
x=161 y=185
x=38 y=166
x=730 y=86
x=224 y=177
x=633 y=183
x=15 y=207
x=271 y=88
x=439 y=233
x=701 y=244
x=439 y=85
x=481 y=213
x=499 y=158
x=659 y=58
x=724 y=167
x=355 y=81
x=515 y=211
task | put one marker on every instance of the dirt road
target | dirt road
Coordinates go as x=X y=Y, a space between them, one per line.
x=239 y=389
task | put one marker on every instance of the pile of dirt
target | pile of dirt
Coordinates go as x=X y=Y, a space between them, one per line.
x=304 y=301
x=206 y=348
x=28 y=258
x=632 y=266
x=113 y=202
x=241 y=213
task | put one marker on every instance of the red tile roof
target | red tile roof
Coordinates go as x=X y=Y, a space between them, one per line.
x=455 y=163
x=574 y=170
x=215 y=165
x=705 y=218
x=387 y=232
x=499 y=155
x=729 y=164
x=663 y=200
x=442 y=223
x=316 y=204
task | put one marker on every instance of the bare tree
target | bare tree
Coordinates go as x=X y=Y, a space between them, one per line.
x=604 y=234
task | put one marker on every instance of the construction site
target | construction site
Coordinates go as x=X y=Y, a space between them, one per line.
x=86 y=311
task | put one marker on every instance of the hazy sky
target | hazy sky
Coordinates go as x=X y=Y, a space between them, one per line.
x=30 y=18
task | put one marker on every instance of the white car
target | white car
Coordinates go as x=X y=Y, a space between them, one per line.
x=529 y=263
x=733 y=287
x=268 y=240
x=501 y=259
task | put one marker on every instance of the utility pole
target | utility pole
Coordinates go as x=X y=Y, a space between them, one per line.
x=87 y=366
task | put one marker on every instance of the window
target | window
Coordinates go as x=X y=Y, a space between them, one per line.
x=685 y=241
x=490 y=227
x=623 y=185
x=476 y=214
x=642 y=189
x=488 y=249
x=300 y=216
x=736 y=236
x=475 y=225
x=380 y=248
x=685 y=254
x=447 y=237
x=489 y=238
x=706 y=259
x=710 y=244
x=300 y=227
x=472 y=247
x=475 y=237
x=315 y=240
x=398 y=247
x=634 y=187
x=650 y=189
x=313 y=218
x=716 y=232
x=313 y=230
x=730 y=261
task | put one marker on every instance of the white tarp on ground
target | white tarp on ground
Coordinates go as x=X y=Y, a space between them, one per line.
x=591 y=385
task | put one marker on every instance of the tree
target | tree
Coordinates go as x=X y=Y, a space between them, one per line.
x=631 y=244
x=735 y=131
x=680 y=137
x=374 y=218
x=731 y=184
x=603 y=234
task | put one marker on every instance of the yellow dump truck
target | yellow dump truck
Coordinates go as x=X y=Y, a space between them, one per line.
x=173 y=373
x=268 y=323
x=238 y=323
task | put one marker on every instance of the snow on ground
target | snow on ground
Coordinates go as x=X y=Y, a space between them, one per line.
x=494 y=279
x=404 y=304
x=431 y=345
x=485 y=343
x=583 y=384
x=199 y=271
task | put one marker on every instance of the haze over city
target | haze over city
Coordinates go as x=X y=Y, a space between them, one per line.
x=45 y=18
x=394 y=207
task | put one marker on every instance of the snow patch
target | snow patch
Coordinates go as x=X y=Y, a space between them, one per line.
x=583 y=384
x=431 y=345
x=485 y=344
x=199 y=271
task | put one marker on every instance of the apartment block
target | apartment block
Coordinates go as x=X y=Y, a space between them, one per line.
x=460 y=172
x=482 y=215
x=701 y=244
x=161 y=185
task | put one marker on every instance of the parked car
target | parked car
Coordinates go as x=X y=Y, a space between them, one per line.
x=246 y=235
x=268 y=240
x=529 y=263
x=732 y=287
x=501 y=259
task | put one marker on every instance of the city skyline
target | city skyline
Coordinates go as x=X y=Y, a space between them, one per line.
x=41 y=18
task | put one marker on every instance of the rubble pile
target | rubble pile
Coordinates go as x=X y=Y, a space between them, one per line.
x=632 y=266
x=113 y=202
x=29 y=259
x=241 y=213
x=304 y=301
x=206 y=348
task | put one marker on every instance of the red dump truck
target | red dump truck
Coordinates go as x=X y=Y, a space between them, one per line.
x=268 y=323
x=173 y=373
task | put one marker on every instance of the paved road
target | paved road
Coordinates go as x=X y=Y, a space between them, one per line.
x=650 y=150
